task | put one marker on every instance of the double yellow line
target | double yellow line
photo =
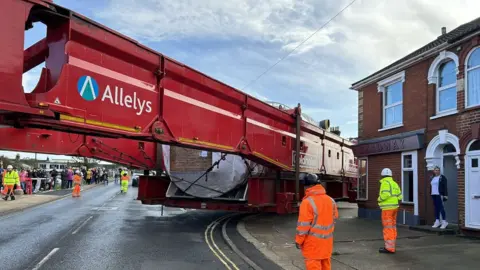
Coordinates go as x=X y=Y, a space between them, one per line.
x=213 y=246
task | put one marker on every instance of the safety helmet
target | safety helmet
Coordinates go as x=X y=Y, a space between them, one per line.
x=386 y=172
x=77 y=172
x=9 y=167
x=310 y=179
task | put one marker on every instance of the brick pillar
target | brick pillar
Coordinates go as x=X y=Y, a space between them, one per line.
x=461 y=190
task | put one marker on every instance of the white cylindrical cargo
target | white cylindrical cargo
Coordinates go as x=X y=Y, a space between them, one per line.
x=186 y=166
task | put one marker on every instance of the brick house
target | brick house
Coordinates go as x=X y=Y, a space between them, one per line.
x=424 y=110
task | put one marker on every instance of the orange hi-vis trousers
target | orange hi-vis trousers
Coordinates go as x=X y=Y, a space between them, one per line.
x=323 y=264
x=7 y=189
x=389 y=222
x=76 y=191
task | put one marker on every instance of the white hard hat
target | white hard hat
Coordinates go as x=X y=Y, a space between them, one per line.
x=386 y=172
x=77 y=171
x=9 y=167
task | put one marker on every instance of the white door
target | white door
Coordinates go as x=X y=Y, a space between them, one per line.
x=472 y=192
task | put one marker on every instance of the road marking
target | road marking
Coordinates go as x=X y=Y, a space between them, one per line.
x=235 y=248
x=81 y=225
x=213 y=246
x=102 y=208
x=49 y=255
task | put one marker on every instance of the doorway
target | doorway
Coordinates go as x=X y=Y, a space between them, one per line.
x=472 y=186
x=450 y=172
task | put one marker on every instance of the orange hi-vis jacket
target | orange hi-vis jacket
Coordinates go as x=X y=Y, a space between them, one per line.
x=77 y=179
x=316 y=223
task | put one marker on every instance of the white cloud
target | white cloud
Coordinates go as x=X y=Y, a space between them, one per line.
x=366 y=37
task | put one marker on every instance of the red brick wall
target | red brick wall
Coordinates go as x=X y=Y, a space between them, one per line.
x=419 y=104
x=188 y=160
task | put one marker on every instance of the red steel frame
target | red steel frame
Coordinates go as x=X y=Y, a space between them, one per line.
x=99 y=83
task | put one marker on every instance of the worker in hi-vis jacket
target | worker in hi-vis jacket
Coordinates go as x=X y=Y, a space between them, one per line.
x=77 y=182
x=124 y=182
x=315 y=226
x=388 y=197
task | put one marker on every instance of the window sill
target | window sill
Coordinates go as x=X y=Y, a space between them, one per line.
x=362 y=200
x=443 y=114
x=390 y=127
x=471 y=108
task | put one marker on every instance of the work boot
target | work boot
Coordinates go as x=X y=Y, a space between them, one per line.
x=12 y=198
x=6 y=198
x=384 y=250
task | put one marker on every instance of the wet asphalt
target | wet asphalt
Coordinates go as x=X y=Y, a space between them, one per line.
x=107 y=230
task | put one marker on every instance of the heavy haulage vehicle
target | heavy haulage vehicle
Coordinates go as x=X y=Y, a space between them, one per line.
x=104 y=95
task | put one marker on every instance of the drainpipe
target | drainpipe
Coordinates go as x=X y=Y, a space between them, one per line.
x=425 y=191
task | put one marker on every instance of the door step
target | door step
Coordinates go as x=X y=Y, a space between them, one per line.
x=450 y=230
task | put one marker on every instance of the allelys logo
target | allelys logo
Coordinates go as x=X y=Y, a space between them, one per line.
x=89 y=90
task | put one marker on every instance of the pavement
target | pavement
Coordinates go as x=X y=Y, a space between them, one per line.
x=357 y=242
x=23 y=202
x=104 y=229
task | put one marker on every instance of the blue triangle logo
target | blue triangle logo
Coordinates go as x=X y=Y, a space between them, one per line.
x=87 y=88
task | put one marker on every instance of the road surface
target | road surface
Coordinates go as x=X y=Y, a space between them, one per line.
x=107 y=230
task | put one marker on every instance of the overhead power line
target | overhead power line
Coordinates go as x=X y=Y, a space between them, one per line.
x=301 y=43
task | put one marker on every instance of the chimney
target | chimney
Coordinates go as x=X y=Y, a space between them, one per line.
x=335 y=130
x=444 y=30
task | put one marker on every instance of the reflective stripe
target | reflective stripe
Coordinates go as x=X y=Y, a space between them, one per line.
x=315 y=219
x=306 y=223
x=315 y=211
x=390 y=243
x=302 y=232
x=322 y=236
x=324 y=227
x=390 y=227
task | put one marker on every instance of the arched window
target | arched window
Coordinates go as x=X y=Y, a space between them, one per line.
x=447 y=87
x=449 y=148
x=475 y=146
x=473 y=78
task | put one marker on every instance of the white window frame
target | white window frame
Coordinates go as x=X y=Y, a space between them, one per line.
x=439 y=89
x=434 y=78
x=466 y=77
x=414 y=168
x=382 y=87
x=366 y=180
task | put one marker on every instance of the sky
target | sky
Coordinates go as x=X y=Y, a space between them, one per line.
x=235 y=41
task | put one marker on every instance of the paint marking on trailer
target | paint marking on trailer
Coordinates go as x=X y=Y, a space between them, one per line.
x=110 y=73
x=286 y=133
x=260 y=155
x=197 y=142
x=203 y=105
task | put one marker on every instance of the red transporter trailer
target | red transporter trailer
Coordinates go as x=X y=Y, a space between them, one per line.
x=99 y=83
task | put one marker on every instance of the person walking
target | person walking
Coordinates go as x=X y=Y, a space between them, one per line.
x=124 y=182
x=77 y=181
x=89 y=176
x=315 y=226
x=439 y=192
x=388 y=197
x=9 y=180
